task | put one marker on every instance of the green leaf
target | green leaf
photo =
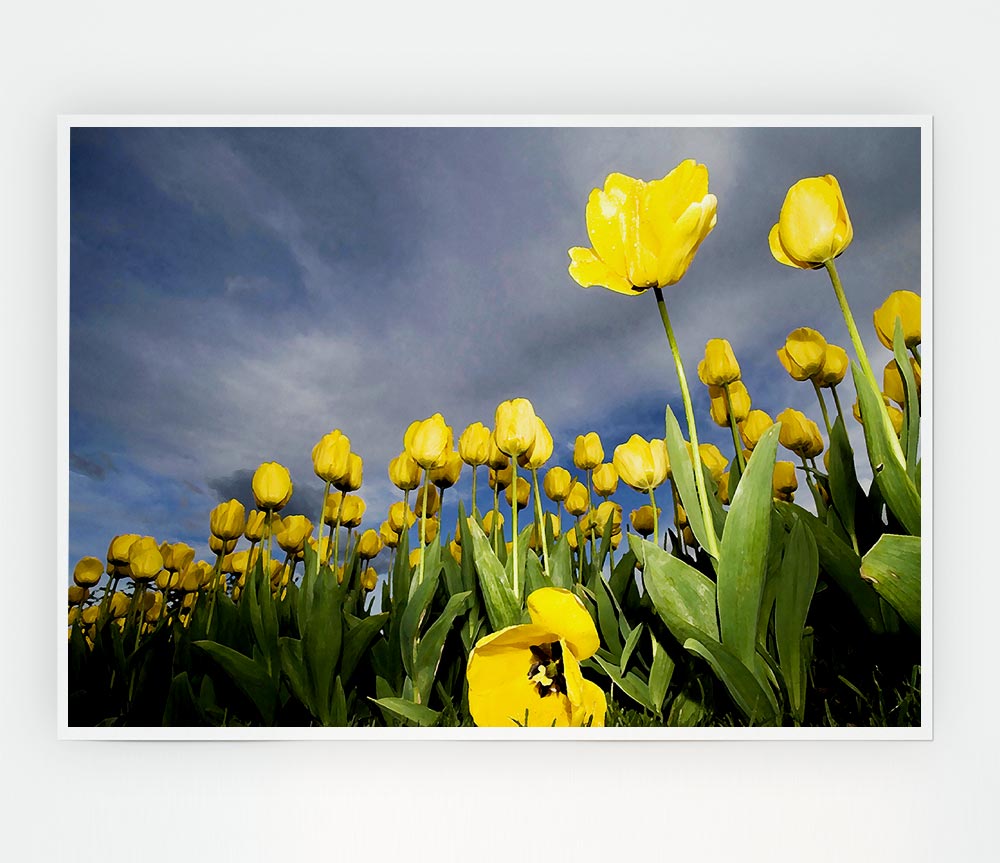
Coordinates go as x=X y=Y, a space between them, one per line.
x=322 y=630
x=607 y=619
x=629 y=649
x=743 y=553
x=660 y=675
x=561 y=564
x=502 y=607
x=843 y=479
x=893 y=567
x=840 y=562
x=356 y=642
x=885 y=455
x=534 y=578
x=251 y=677
x=428 y=654
x=631 y=684
x=682 y=471
x=797 y=582
x=421 y=595
x=681 y=595
x=911 y=405
x=405 y=709
x=743 y=686
x=295 y=673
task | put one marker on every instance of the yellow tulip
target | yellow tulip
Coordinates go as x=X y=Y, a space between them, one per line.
x=429 y=528
x=739 y=397
x=404 y=472
x=228 y=520
x=389 y=537
x=515 y=426
x=502 y=478
x=294 y=531
x=892 y=380
x=578 y=500
x=496 y=460
x=813 y=226
x=899 y=304
x=429 y=441
x=254 y=530
x=784 y=482
x=474 y=445
x=723 y=490
x=118 y=606
x=217 y=545
x=530 y=674
x=642 y=519
x=492 y=516
x=587 y=451
x=272 y=486
x=144 y=559
x=605 y=480
x=369 y=545
x=645 y=234
x=540 y=450
x=523 y=493
x=91 y=614
x=896 y=418
x=456 y=551
x=719 y=366
x=835 y=365
x=713 y=459
x=76 y=594
x=803 y=353
x=118 y=549
x=179 y=555
x=753 y=427
x=796 y=433
x=557 y=484
x=642 y=464
x=415 y=557
x=608 y=511
x=369 y=578
x=401 y=517
x=355 y=470
x=433 y=501
x=88 y=571
x=331 y=457
x=534 y=540
x=348 y=507
x=447 y=475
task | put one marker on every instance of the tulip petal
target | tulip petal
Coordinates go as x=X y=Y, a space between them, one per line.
x=561 y=611
x=590 y=271
x=593 y=706
x=780 y=253
x=808 y=220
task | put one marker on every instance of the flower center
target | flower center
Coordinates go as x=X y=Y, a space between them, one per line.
x=546 y=670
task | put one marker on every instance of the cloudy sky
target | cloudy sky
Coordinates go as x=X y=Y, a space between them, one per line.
x=237 y=293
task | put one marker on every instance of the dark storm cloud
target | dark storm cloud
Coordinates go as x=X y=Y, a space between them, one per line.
x=236 y=293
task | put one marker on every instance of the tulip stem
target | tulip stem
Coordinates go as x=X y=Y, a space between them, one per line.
x=495 y=525
x=423 y=523
x=916 y=354
x=336 y=531
x=540 y=521
x=732 y=425
x=513 y=515
x=580 y=541
x=656 y=520
x=322 y=512
x=590 y=522
x=699 y=476
x=475 y=508
x=840 y=410
x=265 y=546
x=822 y=406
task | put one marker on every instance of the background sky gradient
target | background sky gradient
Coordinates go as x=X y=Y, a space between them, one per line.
x=237 y=293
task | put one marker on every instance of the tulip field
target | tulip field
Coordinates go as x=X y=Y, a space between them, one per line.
x=758 y=584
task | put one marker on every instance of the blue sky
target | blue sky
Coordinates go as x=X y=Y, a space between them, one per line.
x=237 y=293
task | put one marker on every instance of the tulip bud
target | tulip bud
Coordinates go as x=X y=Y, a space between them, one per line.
x=523 y=493
x=369 y=578
x=680 y=516
x=753 y=427
x=578 y=500
x=803 y=353
x=355 y=471
x=688 y=536
x=118 y=606
x=835 y=364
x=428 y=442
x=118 y=549
x=433 y=501
x=272 y=486
x=401 y=517
x=492 y=516
x=605 y=479
x=447 y=475
x=713 y=459
x=501 y=478
x=415 y=557
x=515 y=424
x=784 y=481
x=587 y=451
x=535 y=540
x=795 y=433
x=474 y=445
x=723 y=489
x=352 y=511
x=91 y=614
x=389 y=537
x=254 y=529
x=642 y=519
x=218 y=545
x=719 y=366
x=738 y=396
x=144 y=559
x=295 y=529
x=88 y=571
x=643 y=465
x=430 y=528
x=557 y=483
x=892 y=380
x=179 y=555
x=497 y=460
x=456 y=551
x=76 y=594
x=228 y=520
x=814 y=226
x=608 y=511
x=330 y=457
x=540 y=450
x=404 y=472
x=369 y=545
x=899 y=304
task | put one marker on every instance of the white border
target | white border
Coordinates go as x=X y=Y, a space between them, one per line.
x=65 y=123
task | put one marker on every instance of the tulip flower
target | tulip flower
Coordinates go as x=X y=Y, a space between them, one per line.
x=608 y=511
x=474 y=445
x=713 y=459
x=401 y=517
x=429 y=442
x=76 y=594
x=795 y=433
x=523 y=493
x=557 y=484
x=455 y=549
x=540 y=449
x=293 y=534
x=783 y=481
x=803 y=353
x=645 y=234
x=644 y=520
x=447 y=474
x=176 y=555
x=254 y=529
x=88 y=572
x=587 y=451
x=515 y=426
x=578 y=500
x=605 y=480
x=753 y=427
x=272 y=486
x=892 y=381
x=433 y=501
x=723 y=489
x=530 y=674
x=739 y=398
x=835 y=364
x=369 y=545
x=228 y=520
x=389 y=537
x=491 y=517
x=904 y=305
x=118 y=549
x=719 y=366
x=351 y=481
x=404 y=472
x=496 y=460
x=814 y=226
x=331 y=457
x=500 y=479
x=428 y=529
x=642 y=465
x=536 y=542
x=369 y=578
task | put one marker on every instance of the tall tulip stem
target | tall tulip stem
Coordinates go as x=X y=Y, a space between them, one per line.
x=423 y=524
x=540 y=521
x=699 y=476
x=513 y=515
x=732 y=425
x=840 y=410
x=322 y=512
x=822 y=407
x=475 y=509
x=656 y=520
